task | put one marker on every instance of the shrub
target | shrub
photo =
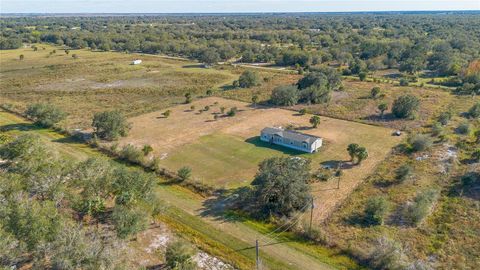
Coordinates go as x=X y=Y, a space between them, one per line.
x=232 y=111
x=248 y=79
x=463 y=128
x=110 y=125
x=474 y=111
x=302 y=111
x=471 y=179
x=444 y=118
x=388 y=254
x=45 y=115
x=178 y=256
x=405 y=106
x=420 y=142
x=132 y=154
x=403 y=172
x=376 y=210
x=184 y=173
x=416 y=211
x=437 y=129
x=375 y=92
x=476 y=155
x=403 y=82
x=382 y=107
x=128 y=221
x=166 y=113
x=147 y=149
x=285 y=95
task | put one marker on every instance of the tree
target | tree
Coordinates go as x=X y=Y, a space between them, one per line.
x=316 y=94
x=21 y=57
x=375 y=210
x=178 y=256
x=352 y=150
x=405 y=106
x=362 y=76
x=44 y=114
x=184 y=173
x=361 y=154
x=375 y=92
x=222 y=110
x=209 y=56
x=474 y=111
x=281 y=185
x=248 y=79
x=284 y=96
x=323 y=77
x=110 y=125
x=67 y=52
x=315 y=121
x=382 y=107
x=128 y=221
x=302 y=111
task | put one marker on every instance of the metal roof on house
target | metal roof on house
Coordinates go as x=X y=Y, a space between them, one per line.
x=290 y=134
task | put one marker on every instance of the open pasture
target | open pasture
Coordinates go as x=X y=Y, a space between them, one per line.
x=225 y=152
x=97 y=81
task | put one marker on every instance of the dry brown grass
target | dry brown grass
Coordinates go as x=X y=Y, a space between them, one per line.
x=224 y=152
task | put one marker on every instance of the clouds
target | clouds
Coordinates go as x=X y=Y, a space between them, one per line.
x=204 y=6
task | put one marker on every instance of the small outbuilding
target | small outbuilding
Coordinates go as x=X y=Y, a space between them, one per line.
x=136 y=62
x=291 y=139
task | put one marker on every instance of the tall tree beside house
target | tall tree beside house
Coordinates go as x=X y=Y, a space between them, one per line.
x=110 y=125
x=281 y=185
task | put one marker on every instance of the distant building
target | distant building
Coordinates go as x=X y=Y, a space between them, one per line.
x=291 y=139
x=136 y=62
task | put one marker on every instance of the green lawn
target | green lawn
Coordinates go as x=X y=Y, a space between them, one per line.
x=226 y=160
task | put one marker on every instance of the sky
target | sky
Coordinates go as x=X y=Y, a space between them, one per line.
x=228 y=6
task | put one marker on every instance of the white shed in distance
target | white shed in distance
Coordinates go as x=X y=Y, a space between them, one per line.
x=136 y=62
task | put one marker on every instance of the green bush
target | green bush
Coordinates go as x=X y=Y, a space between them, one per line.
x=128 y=221
x=45 y=115
x=184 y=173
x=248 y=79
x=376 y=210
x=416 y=211
x=403 y=172
x=178 y=256
x=463 y=128
x=474 y=111
x=131 y=153
x=110 y=125
x=405 y=106
x=285 y=96
x=420 y=142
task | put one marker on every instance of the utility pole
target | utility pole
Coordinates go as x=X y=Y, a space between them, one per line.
x=311 y=216
x=257 y=257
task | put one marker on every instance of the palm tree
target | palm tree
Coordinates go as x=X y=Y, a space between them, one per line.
x=315 y=121
x=352 y=150
x=362 y=154
x=254 y=100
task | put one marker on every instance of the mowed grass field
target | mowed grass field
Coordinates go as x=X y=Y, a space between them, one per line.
x=225 y=153
x=97 y=81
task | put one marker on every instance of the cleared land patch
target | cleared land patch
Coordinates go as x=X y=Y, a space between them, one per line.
x=225 y=152
x=97 y=81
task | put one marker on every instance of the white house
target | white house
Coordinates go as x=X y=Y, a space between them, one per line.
x=291 y=139
x=136 y=62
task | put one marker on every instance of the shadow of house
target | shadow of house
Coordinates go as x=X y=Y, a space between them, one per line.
x=288 y=151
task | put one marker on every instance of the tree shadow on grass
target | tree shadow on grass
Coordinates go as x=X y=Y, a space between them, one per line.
x=221 y=205
x=389 y=117
x=259 y=143
x=20 y=127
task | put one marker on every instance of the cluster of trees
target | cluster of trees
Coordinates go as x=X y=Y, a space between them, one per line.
x=315 y=87
x=43 y=196
x=444 y=44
